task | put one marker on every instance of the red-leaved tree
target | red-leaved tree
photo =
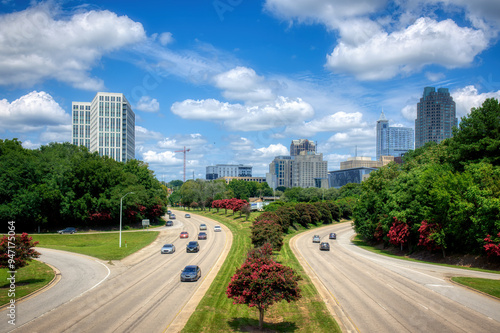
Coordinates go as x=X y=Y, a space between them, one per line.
x=16 y=251
x=398 y=233
x=261 y=282
x=492 y=249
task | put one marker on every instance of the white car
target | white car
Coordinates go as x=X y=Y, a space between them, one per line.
x=203 y=226
x=217 y=228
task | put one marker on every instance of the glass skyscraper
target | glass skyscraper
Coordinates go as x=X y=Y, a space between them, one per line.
x=393 y=141
x=436 y=116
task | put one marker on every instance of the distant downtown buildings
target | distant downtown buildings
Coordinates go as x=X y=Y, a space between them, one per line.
x=106 y=125
x=436 y=116
x=393 y=141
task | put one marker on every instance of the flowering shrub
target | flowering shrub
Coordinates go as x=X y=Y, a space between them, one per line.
x=492 y=249
x=430 y=235
x=265 y=231
x=260 y=282
x=22 y=251
x=398 y=233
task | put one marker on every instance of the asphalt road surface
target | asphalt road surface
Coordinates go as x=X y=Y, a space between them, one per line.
x=374 y=293
x=143 y=292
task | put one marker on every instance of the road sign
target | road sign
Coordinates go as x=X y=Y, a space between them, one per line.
x=145 y=222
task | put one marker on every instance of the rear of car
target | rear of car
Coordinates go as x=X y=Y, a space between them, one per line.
x=190 y=273
x=324 y=246
x=316 y=239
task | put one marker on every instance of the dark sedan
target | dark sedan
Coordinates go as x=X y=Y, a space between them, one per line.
x=333 y=235
x=193 y=246
x=202 y=235
x=169 y=223
x=191 y=273
x=324 y=246
x=67 y=231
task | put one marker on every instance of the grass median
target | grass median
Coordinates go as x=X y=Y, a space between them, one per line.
x=104 y=246
x=217 y=313
x=28 y=279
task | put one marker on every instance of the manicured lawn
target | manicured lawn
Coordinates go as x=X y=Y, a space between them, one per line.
x=217 y=313
x=491 y=287
x=100 y=245
x=28 y=279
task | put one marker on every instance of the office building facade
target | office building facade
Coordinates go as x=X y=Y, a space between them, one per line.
x=228 y=170
x=106 y=125
x=302 y=145
x=436 y=116
x=393 y=141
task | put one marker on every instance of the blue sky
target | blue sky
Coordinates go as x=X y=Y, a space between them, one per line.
x=236 y=80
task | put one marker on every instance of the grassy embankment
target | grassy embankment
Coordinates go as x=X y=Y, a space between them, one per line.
x=489 y=286
x=217 y=313
x=100 y=245
x=28 y=279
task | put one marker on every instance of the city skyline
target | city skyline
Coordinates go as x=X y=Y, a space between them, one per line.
x=236 y=81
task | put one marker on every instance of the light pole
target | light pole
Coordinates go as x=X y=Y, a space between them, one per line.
x=121 y=205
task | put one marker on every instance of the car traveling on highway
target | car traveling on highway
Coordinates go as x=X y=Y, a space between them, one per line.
x=333 y=235
x=316 y=239
x=193 y=246
x=202 y=235
x=169 y=223
x=324 y=246
x=168 y=248
x=67 y=231
x=184 y=234
x=172 y=216
x=191 y=273
x=187 y=216
x=203 y=226
x=217 y=228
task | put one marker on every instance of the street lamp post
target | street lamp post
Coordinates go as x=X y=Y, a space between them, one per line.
x=121 y=208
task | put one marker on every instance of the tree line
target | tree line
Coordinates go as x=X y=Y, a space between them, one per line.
x=444 y=197
x=61 y=184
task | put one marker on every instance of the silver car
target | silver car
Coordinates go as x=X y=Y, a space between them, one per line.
x=316 y=239
x=168 y=248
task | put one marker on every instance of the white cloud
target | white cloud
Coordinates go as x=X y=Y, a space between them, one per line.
x=271 y=151
x=177 y=142
x=360 y=137
x=468 y=97
x=242 y=83
x=61 y=133
x=404 y=52
x=32 y=112
x=166 y=38
x=332 y=123
x=164 y=158
x=238 y=143
x=409 y=112
x=283 y=111
x=433 y=77
x=142 y=134
x=334 y=160
x=37 y=45
x=148 y=104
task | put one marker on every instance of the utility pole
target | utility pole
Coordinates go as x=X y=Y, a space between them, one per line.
x=184 y=151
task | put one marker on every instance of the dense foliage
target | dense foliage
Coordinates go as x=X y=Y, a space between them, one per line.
x=444 y=196
x=64 y=185
x=260 y=282
x=16 y=250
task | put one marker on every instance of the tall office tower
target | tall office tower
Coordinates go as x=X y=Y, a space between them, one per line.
x=108 y=126
x=306 y=167
x=280 y=172
x=436 y=116
x=228 y=170
x=298 y=146
x=393 y=141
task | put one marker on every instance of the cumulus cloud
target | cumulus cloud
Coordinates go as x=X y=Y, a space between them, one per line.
x=242 y=83
x=32 y=112
x=332 y=123
x=283 y=111
x=165 y=38
x=37 y=45
x=409 y=112
x=142 y=134
x=468 y=97
x=164 y=158
x=404 y=52
x=361 y=137
x=148 y=104
x=179 y=141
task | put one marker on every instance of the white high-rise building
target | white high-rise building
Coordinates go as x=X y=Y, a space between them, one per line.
x=393 y=141
x=106 y=125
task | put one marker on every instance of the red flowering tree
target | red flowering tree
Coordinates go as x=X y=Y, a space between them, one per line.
x=492 y=249
x=100 y=216
x=398 y=233
x=16 y=251
x=261 y=282
x=236 y=204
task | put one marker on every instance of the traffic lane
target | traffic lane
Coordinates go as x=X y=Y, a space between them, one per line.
x=145 y=296
x=78 y=274
x=378 y=299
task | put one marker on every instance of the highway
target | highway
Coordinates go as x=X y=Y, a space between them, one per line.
x=143 y=292
x=367 y=292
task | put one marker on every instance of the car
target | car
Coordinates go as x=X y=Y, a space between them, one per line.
x=202 y=235
x=187 y=216
x=333 y=235
x=172 y=216
x=169 y=212
x=324 y=246
x=316 y=239
x=184 y=234
x=193 y=246
x=190 y=273
x=203 y=226
x=217 y=228
x=69 y=230
x=169 y=223
x=168 y=248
